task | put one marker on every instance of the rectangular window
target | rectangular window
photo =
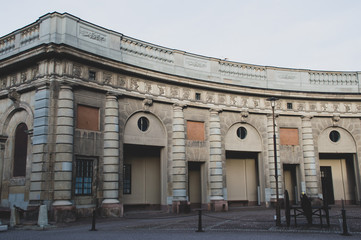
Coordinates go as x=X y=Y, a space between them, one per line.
x=289 y=106
x=84 y=177
x=92 y=75
x=127 y=179
x=87 y=118
x=195 y=131
x=198 y=96
x=289 y=136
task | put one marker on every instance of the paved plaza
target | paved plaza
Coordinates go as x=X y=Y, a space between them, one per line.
x=249 y=222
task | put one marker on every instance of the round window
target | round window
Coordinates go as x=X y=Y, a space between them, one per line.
x=334 y=136
x=242 y=132
x=143 y=124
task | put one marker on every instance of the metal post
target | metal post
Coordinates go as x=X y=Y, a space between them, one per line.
x=199 y=221
x=344 y=223
x=278 y=213
x=93 y=220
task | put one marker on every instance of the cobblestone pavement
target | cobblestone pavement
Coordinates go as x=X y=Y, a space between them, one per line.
x=258 y=219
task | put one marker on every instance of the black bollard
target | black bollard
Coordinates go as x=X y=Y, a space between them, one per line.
x=93 y=221
x=344 y=223
x=199 y=221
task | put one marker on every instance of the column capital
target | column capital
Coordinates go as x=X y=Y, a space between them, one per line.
x=178 y=105
x=215 y=110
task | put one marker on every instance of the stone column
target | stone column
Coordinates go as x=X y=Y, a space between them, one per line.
x=39 y=183
x=179 y=165
x=271 y=160
x=309 y=158
x=64 y=148
x=2 y=160
x=110 y=203
x=215 y=163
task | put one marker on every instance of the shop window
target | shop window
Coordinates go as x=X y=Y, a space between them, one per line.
x=88 y=118
x=195 y=131
x=20 y=151
x=84 y=177
x=289 y=136
x=127 y=179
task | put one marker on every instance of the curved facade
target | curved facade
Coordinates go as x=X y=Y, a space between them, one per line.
x=122 y=123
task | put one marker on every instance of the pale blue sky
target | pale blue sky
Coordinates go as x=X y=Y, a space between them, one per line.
x=307 y=34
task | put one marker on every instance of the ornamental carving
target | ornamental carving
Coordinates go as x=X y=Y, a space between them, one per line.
x=23 y=77
x=134 y=84
x=107 y=78
x=161 y=90
x=121 y=81
x=210 y=98
x=222 y=99
x=174 y=91
x=76 y=71
x=186 y=94
x=92 y=35
x=13 y=80
x=148 y=88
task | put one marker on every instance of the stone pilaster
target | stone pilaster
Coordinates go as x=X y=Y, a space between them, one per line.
x=179 y=165
x=38 y=188
x=309 y=158
x=64 y=147
x=215 y=162
x=271 y=159
x=111 y=158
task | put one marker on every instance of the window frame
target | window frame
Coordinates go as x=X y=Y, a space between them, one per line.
x=90 y=162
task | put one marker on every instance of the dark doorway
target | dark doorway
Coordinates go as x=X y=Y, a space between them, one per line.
x=327 y=185
x=20 y=151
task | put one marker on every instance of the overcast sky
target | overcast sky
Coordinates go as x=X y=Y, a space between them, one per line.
x=306 y=34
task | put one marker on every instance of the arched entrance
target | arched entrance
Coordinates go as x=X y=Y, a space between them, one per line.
x=144 y=164
x=337 y=151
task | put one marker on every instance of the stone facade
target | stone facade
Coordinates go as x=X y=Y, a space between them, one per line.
x=107 y=118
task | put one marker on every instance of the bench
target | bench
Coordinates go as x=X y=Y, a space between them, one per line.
x=306 y=209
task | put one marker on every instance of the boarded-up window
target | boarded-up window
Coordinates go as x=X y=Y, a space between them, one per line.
x=289 y=136
x=195 y=131
x=87 y=118
x=21 y=149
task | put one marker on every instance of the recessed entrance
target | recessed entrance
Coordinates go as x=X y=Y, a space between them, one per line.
x=143 y=185
x=241 y=178
x=290 y=181
x=338 y=178
x=195 y=184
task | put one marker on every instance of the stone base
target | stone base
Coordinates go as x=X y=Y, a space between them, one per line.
x=181 y=207
x=64 y=214
x=112 y=210
x=3 y=228
x=219 y=205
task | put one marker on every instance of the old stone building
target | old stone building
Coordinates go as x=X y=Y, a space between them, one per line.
x=90 y=116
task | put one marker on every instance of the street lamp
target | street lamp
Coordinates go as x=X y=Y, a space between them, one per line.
x=278 y=213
